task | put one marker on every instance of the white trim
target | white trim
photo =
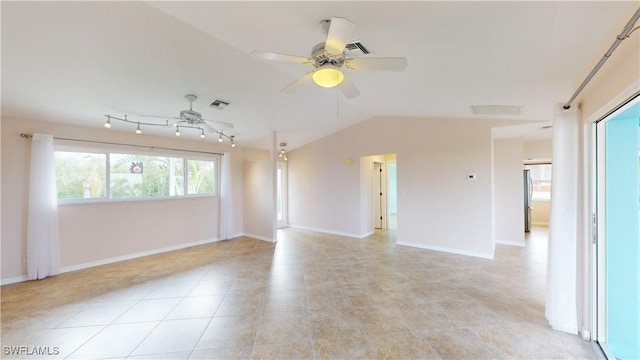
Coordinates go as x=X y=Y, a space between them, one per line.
x=617 y=100
x=510 y=243
x=539 y=223
x=585 y=334
x=331 y=232
x=14 y=280
x=258 y=237
x=448 y=250
x=116 y=259
x=135 y=255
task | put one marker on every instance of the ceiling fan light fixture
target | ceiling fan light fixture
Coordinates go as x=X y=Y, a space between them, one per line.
x=328 y=76
x=177 y=131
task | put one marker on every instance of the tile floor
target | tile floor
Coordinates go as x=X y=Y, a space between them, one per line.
x=311 y=296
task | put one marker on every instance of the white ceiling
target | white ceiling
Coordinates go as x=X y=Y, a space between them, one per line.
x=74 y=62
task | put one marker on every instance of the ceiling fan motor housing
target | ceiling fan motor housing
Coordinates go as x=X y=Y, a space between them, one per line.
x=191 y=116
x=321 y=57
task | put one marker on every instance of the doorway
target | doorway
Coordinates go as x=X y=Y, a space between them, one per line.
x=617 y=245
x=379 y=196
x=281 y=195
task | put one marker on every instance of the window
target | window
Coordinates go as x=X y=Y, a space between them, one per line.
x=145 y=176
x=202 y=178
x=540 y=181
x=85 y=175
x=80 y=175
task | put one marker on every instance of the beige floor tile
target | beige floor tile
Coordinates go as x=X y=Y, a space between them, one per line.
x=211 y=287
x=166 y=356
x=290 y=350
x=66 y=340
x=172 y=336
x=229 y=332
x=222 y=353
x=309 y=295
x=460 y=344
x=284 y=327
x=196 y=307
x=286 y=301
x=241 y=304
x=114 y=341
x=98 y=314
x=148 y=310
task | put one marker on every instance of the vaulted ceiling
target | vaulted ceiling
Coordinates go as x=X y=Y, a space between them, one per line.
x=74 y=62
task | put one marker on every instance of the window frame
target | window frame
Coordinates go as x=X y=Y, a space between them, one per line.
x=116 y=150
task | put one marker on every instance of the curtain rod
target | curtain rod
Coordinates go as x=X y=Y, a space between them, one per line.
x=623 y=35
x=29 y=136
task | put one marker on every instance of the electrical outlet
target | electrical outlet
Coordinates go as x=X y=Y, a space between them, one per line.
x=24 y=258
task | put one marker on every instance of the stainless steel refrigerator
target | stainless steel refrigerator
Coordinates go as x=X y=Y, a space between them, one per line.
x=528 y=189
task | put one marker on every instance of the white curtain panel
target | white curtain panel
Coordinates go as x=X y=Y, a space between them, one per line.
x=226 y=203
x=561 y=304
x=43 y=254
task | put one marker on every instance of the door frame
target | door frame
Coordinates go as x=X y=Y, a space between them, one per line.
x=284 y=222
x=598 y=225
x=384 y=208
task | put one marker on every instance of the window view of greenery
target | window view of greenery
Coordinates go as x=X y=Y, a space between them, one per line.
x=80 y=175
x=145 y=176
x=202 y=178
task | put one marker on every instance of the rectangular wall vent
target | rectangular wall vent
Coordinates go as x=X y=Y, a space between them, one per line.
x=496 y=109
x=356 y=49
x=219 y=104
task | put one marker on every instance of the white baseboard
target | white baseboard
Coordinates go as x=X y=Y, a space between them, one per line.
x=510 y=243
x=331 y=232
x=135 y=256
x=14 y=280
x=258 y=237
x=447 y=250
x=537 y=223
x=585 y=334
x=116 y=259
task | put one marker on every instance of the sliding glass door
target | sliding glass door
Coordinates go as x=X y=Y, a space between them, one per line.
x=618 y=231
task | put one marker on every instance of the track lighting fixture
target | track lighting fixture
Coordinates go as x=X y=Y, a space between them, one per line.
x=283 y=153
x=221 y=134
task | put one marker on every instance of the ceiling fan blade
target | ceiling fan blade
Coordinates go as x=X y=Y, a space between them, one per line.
x=298 y=83
x=338 y=35
x=265 y=55
x=385 y=63
x=210 y=128
x=160 y=117
x=220 y=123
x=348 y=88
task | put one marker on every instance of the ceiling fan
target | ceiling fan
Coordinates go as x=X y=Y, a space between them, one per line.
x=328 y=58
x=193 y=118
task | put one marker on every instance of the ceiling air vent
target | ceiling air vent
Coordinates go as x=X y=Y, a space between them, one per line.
x=356 y=49
x=219 y=104
x=495 y=109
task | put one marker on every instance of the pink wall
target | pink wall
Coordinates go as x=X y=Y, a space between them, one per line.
x=259 y=207
x=95 y=233
x=509 y=191
x=438 y=207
